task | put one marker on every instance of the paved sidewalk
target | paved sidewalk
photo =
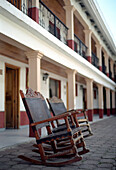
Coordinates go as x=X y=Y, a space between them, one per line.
x=102 y=155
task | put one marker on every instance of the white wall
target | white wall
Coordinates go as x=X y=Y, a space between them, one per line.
x=45 y=85
x=79 y=98
x=95 y=101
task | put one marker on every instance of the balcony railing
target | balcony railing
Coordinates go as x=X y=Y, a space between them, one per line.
x=23 y=5
x=49 y=21
x=95 y=60
x=104 y=69
x=110 y=74
x=79 y=47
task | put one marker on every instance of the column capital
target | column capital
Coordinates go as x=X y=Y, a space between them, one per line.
x=89 y=80
x=34 y=54
x=98 y=46
x=100 y=85
x=69 y=7
x=107 y=89
x=87 y=31
x=69 y=71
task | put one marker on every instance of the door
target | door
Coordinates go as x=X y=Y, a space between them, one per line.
x=12 y=97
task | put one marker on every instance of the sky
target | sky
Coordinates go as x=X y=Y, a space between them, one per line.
x=108 y=8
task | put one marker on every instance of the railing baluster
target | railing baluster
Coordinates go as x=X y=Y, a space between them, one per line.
x=54 y=26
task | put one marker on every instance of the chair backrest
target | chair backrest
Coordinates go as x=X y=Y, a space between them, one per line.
x=34 y=108
x=45 y=104
x=56 y=105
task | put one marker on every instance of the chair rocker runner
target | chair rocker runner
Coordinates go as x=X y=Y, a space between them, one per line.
x=38 y=118
x=57 y=107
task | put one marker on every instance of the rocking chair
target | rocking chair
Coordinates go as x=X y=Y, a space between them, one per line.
x=38 y=118
x=80 y=144
x=57 y=107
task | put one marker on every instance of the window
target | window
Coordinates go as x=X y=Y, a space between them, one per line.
x=51 y=30
x=54 y=88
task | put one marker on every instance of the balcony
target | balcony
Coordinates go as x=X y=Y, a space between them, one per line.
x=104 y=69
x=95 y=60
x=79 y=47
x=49 y=21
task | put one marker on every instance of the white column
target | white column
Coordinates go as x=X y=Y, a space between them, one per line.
x=112 y=69
x=71 y=88
x=107 y=63
x=108 y=101
x=89 y=84
x=113 y=102
x=100 y=99
x=70 y=21
x=34 y=69
x=88 y=43
x=70 y=24
x=98 y=49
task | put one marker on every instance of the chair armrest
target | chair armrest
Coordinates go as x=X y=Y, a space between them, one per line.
x=65 y=115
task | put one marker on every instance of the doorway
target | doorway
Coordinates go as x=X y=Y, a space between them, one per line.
x=12 y=97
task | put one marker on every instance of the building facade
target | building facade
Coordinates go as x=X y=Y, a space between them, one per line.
x=61 y=48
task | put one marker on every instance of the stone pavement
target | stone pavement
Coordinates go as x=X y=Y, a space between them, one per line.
x=102 y=155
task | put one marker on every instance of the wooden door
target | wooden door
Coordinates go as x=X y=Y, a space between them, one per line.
x=12 y=98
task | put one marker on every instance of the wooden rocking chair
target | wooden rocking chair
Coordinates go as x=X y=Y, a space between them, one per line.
x=38 y=118
x=80 y=144
x=57 y=107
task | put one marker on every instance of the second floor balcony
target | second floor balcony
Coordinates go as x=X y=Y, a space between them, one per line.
x=95 y=60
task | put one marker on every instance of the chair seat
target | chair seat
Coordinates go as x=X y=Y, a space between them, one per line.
x=60 y=134
x=62 y=127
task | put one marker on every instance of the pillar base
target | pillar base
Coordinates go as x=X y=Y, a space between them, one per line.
x=71 y=44
x=89 y=59
x=90 y=115
x=2 y=118
x=108 y=112
x=34 y=14
x=100 y=68
x=114 y=111
x=101 y=112
x=107 y=74
x=113 y=79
